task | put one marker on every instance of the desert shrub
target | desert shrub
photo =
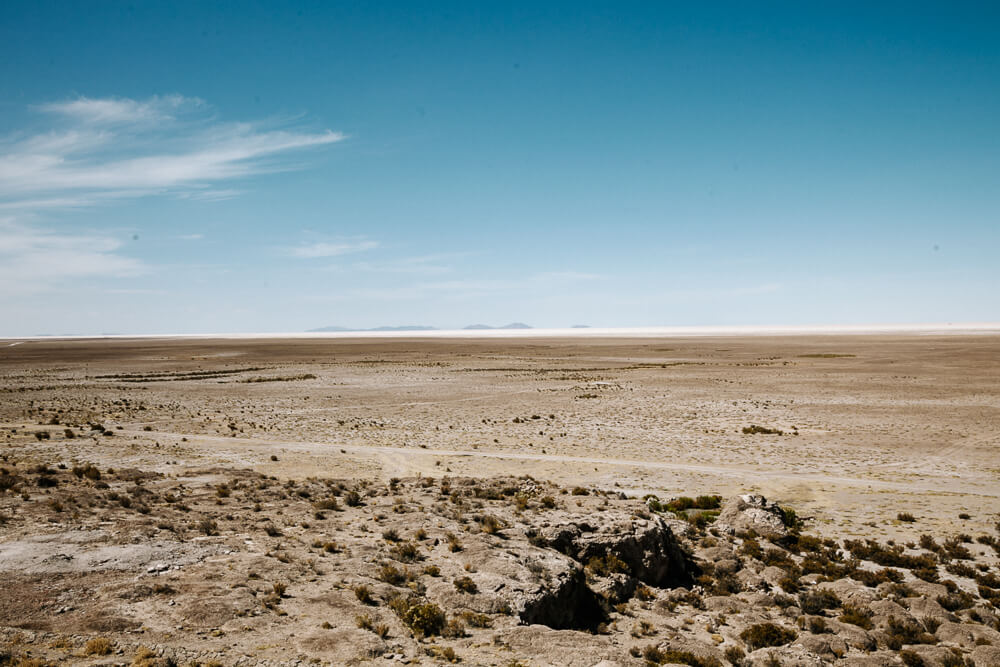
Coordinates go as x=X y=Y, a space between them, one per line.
x=906 y=517
x=391 y=574
x=873 y=579
x=857 y=616
x=352 y=498
x=645 y=593
x=489 y=524
x=548 y=502
x=466 y=585
x=911 y=659
x=364 y=594
x=929 y=543
x=789 y=585
x=735 y=655
x=815 y=602
x=900 y=632
x=753 y=429
x=208 y=526
x=961 y=570
x=327 y=504
x=390 y=535
x=423 y=618
x=654 y=655
x=763 y=635
x=454 y=628
x=406 y=552
x=271 y=529
x=751 y=549
x=477 y=620
x=98 y=646
x=604 y=566
x=818 y=626
x=955 y=600
x=580 y=491
x=955 y=549
x=454 y=544
x=888 y=555
x=89 y=471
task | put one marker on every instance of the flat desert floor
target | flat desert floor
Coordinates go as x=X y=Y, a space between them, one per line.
x=871 y=425
x=403 y=501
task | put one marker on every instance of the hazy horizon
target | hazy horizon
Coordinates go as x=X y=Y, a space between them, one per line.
x=190 y=168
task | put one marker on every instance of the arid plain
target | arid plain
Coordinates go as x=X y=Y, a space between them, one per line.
x=854 y=431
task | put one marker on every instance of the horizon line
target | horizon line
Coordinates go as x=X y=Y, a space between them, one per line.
x=944 y=328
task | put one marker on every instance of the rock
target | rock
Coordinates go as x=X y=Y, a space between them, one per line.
x=849 y=591
x=880 y=659
x=826 y=646
x=924 y=608
x=883 y=610
x=539 y=586
x=932 y=656
x=706 y=652
x=927 y=589
x=986 y=656
x=852 y=634
x=966 y=635
x=752 y=512
x=650 y=549
x=785 y=655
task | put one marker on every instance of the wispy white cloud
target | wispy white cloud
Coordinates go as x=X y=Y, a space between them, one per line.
x=328 y=249
x=111 y=111
x=99 y=150
x=35 y=260
x=163 y=144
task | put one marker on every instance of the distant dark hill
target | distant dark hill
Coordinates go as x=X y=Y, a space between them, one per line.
x=478 y=326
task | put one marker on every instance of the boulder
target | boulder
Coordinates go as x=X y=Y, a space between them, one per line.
x=539 y=586
x=648 y=547
x=986 y=656
x=752 y=512
x=966 y=635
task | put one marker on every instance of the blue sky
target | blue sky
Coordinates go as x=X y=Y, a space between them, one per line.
x=209 y=167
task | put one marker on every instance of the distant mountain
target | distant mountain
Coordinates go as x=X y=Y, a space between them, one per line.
x=581 y=326
x=478 y=326
x=411 y=327
x=516 y=325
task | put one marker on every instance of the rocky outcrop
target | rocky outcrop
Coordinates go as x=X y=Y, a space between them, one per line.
x=647 y=547
x=752 y=512
x=538 y=586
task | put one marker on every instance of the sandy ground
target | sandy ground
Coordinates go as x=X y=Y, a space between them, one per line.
x=873 y=425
